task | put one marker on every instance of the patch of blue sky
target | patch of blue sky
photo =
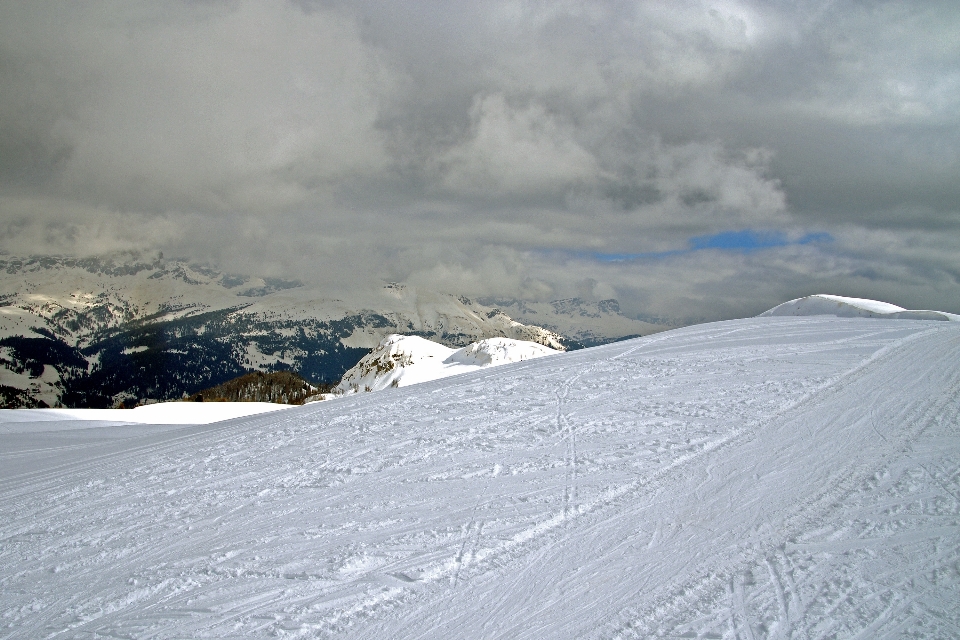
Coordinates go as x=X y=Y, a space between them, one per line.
x=746 y=241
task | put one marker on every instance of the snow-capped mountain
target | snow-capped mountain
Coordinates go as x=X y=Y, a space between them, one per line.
x=96 y=331
x=823 y=304
x=774 y=477
x=399 y=361
x=589 y=323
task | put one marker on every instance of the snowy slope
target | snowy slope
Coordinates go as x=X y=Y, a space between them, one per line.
x=843 y=307
x=399 y=361
x=15 y=420
x=773 y=477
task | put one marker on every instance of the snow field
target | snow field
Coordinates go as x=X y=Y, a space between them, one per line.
x=399 y=361
x=16 y=420
x=844 y=307
x=761 y=478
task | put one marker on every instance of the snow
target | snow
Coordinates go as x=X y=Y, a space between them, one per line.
x=863 y=303
x=843 y=307
x=131 y=350
x=776 y=477
x=12 y=420
x=496 y=351
x=80 y=300
x=399 y=361
x=42 y=289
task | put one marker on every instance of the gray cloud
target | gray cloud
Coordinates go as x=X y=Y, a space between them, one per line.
x=477 y=149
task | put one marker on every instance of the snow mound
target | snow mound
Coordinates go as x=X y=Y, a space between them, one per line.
x=399 y=361
x=496 y=351
x=159 y=413
x=823 y=304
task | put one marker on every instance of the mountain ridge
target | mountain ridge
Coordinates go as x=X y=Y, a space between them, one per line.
x=123 y=328
x=399 y=361
x=845 y=307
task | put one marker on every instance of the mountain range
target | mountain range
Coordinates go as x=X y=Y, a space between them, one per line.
x=100 y=331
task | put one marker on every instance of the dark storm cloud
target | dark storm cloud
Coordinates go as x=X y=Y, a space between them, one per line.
x=477 y=148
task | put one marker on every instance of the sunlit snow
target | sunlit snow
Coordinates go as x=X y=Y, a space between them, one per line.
x=159 y=413
x=775 y=477
x=399 y=361
x=843 y=307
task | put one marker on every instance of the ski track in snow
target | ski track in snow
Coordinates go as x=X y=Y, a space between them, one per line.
x=759 y=478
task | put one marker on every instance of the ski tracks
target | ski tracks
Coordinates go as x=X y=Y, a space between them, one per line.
x=523 y=545
x=548 y=572
x=566 y=428
x=854 y=559
x=568 y=436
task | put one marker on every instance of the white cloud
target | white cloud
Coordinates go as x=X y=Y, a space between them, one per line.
x=515 y=150
x=476 y=148
x=242 y=107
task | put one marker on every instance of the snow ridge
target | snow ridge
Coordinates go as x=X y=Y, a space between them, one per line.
x=399 y=361
x=823 y=304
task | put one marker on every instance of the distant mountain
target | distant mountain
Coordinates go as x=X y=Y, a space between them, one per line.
x=97 y=332
x=585 y=322
x=829 y=305
x=399 y=361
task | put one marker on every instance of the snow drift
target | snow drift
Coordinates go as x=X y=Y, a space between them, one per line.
x=777 y=477
x=13 y=420
x=823 y=304
x=399 y=361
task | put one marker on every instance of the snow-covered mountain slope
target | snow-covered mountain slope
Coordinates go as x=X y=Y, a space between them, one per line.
x=97 y=331
x=828 y=305
x=759 y=478
x=80 y=299
x=399 y=361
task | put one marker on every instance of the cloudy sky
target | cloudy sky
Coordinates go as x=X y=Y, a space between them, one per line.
x=693 y=159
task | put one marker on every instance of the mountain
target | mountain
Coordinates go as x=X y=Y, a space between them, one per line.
x=774 y=477
x=586 y=322
x=823 y=304
x=399 y=361
x=284 y=387
x=95 y=332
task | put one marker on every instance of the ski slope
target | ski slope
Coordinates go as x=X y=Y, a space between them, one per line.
x=776 y=477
